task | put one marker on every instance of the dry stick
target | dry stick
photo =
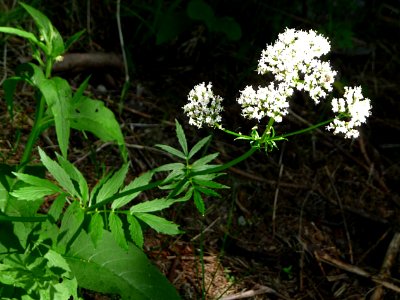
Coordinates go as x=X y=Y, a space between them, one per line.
x=252 y=293
x=339 y=200
x=390 y=258
x=356 y=270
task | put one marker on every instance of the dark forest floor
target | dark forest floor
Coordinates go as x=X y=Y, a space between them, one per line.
x=315 y=219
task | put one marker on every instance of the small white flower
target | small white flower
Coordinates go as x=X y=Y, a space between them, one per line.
x=204 y=107
x=265 y=101
x=354 y=108
x=294 y=59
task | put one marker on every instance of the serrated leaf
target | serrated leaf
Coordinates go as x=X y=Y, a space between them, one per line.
x=91 y=115
x=96 y=227
x=172 y=151
x=111 y=269
x=56 y=260
x=203 y=168
x=58 y=173
x=204 y=160
x=57 y=93
x=117 y=230
x=207 y=191
x=135 y=231
x=175 y=175
x=198 y=201
x=142 y=180
x=37 y=181
x=170 y=167
x=151 y=206
x=112 y=185
x=76 y=175
x=209 y=183
x=97 y=187
x=200 y=144
x=31 y=193
x=158 y=224
x=181 y=137
x=70 y=225
x=56 y=208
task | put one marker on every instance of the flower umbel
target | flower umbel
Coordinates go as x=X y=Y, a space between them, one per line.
x=265 y=101
x=204 y=107
x=352 y=109
x=294 y=59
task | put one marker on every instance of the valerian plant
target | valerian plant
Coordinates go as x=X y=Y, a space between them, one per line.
x=92 y=237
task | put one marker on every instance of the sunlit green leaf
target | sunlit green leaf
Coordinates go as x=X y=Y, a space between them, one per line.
x=70 y=225
x=172 y=151
x=181 y=138
x=200 y=144
x=142 y=180
x=117 y=230
x=112 y=185
x=198 y=201
x=96 y=227
x=204 y=160
x=135 y=231
x=159 y=224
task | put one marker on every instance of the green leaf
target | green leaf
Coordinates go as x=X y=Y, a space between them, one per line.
x=56 y=260
x=111 y=269
x=229 y=27
x=198 y=201
x=136 y=231
x=209 y=183
x=112 y=185
x=170 y=167
x=53 y=39
x=9 y=86
x=31 y=192
x=76 y=175
x=158 y=224
x=74 y=38
x=142 y=180
x=204 y=160
x=200 y=144
x=181 y=137
x=91 y=115
x=37 y=181
x=96 y=227
x=70 y=226
x=58 y=173
x=172 y=151
x=57 y=208
x=97 y=187
x=117 y=230
x=3 y=197
x=150 y=206
x=199 y=10
x=57 y=93
x=79 y=92
x=207 y=191
x=22 y=33
x=31 y=73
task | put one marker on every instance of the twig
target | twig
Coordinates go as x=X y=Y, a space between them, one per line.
x=387 y=264
x=356 y=270
x=252 y=293
x=277 y=191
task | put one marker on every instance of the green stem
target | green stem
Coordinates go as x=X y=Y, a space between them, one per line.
x=33 y=136
x=4 y=218
x=306 y=129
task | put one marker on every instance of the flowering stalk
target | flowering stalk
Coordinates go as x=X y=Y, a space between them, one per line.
x=295 y=60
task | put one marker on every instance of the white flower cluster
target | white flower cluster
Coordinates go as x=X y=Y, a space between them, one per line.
x=294 y=59
x=354 y=108
x=204 y=107
x=265 y=101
